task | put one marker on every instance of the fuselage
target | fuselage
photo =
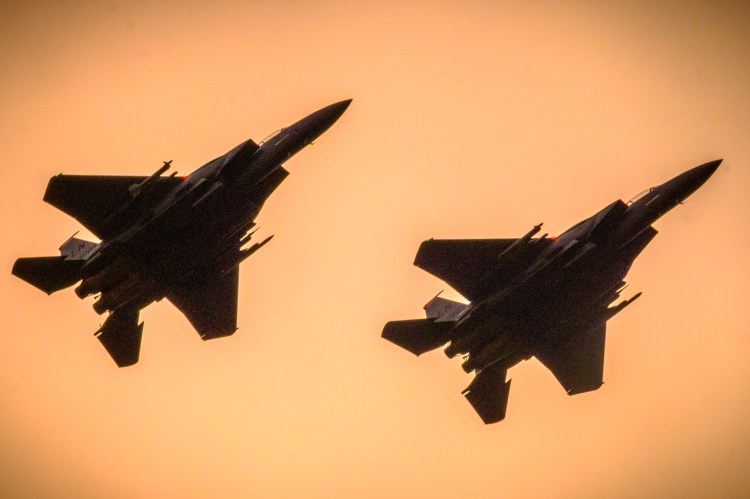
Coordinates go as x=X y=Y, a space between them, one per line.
x=569 y=285
x=200 y=222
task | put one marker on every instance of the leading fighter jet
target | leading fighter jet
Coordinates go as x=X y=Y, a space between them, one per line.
x=545 y=297
x=173 y=237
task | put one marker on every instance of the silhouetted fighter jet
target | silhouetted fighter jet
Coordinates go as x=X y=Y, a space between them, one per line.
x=176 y=237
x=542 y=297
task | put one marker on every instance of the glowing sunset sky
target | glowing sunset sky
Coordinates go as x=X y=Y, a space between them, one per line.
x=469 y=119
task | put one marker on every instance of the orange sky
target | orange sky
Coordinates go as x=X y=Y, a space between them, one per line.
x=470 y=119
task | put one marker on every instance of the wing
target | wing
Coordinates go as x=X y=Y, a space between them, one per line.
x=94 y=200
x=461 y=263
x=210 y=303
x=471 y=266
x=577 y=362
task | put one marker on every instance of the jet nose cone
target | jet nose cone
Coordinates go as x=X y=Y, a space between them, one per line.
x=709 y=168
x=330 y=114
x=321 y=120
x=698 y=175
x=688 y=182
x=342 y=105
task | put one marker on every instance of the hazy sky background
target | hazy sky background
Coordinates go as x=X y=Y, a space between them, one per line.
x=470 y=119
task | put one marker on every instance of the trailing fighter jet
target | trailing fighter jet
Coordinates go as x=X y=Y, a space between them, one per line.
x=545 y=297
x=173 y=237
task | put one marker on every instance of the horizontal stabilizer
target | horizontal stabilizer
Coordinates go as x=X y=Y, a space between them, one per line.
x=121 y=336
x=488 y=393
x=48 y=273
x=419 y=335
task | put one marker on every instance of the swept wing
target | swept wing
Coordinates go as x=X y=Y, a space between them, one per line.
x=209 y=303
x=473 y=266
x=578 y=361
x=95 y=200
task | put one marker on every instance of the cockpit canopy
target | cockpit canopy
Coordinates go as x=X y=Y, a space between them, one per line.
x=641 y=195
x=271 y=136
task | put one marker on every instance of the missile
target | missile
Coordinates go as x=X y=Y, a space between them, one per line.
x=136 y=189
x=252 y=249
x=243 y=254
x=247 y=237
x=608 y=296
x=519 y=243
x=611 y=312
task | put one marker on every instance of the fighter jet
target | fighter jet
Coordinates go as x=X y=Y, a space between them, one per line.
x=547 y=297
x=180 y=238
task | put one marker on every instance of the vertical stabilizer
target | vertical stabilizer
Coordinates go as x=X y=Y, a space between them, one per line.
x=442 y=309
